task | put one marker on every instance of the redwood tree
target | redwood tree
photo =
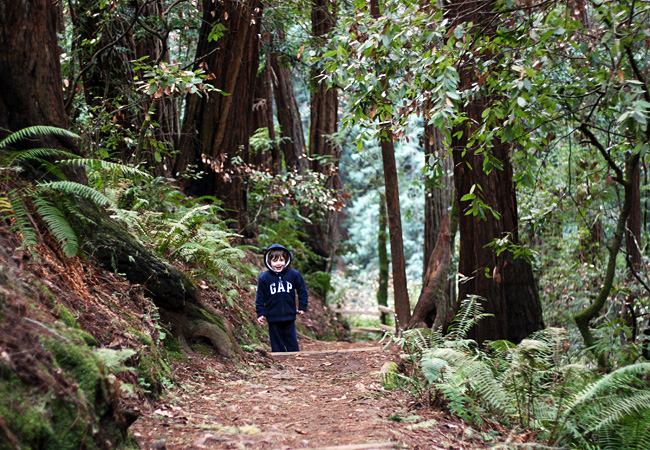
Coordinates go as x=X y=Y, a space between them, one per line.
x=217 y=128
x=293 y=143
x=323 y=149
x=437 y=302
x=488 y=209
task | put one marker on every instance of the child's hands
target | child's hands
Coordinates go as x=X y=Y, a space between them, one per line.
x=261 y=319
x=301 y=312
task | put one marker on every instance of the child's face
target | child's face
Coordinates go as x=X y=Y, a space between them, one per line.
x=278 y=263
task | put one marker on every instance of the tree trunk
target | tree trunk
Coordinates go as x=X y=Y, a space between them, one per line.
x=30 y=91
x=438 y=201
x=293 y=144
x=386 y=142
x=263 y=159
x=217 y=128
x=507 y=284
x=434 y=308
x=384 y=262
x=400 y=287
x=323 y=149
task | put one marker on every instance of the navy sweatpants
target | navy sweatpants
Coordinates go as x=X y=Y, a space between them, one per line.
x=283 y=336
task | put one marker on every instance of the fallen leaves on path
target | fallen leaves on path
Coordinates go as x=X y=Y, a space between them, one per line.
x=327 y=397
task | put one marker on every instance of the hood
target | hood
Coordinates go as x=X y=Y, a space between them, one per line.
x=267 y=263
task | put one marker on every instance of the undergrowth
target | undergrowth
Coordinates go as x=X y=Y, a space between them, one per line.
x=533 y=386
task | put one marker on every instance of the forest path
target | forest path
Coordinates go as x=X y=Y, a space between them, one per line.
x=329 y=396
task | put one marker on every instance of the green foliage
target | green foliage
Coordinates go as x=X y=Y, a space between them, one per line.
x=532 y=385
x=286 y=194
x=164 y=79
x=180 y=229
x=50 y=200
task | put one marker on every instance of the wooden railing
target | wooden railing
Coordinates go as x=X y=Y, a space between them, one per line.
x=381 y=328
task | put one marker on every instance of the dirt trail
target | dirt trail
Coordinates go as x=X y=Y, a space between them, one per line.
x=329 y=396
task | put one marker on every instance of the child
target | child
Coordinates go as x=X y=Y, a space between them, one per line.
x=276 y=298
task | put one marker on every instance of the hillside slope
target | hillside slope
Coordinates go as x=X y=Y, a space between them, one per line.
x=82 y=350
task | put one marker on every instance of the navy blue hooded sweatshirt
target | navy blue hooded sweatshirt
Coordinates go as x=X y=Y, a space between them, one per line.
x=276 y=292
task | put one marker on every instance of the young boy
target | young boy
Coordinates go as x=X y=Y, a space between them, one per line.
x=276 y=298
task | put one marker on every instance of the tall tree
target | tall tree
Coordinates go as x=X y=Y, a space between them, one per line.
x=323 y=149
x=263 y=115
x=217 y=128
x=438 y=295
x=293 y=142
x=387 y=144
x=488 y=206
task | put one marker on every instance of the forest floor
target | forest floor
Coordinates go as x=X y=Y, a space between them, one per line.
x=329 y=396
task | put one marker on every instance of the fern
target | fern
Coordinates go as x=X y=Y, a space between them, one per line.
x=73 y=188
x=54 y=209
x=35 y=131
x=23 y=223
x=532 y=385
x=37 y=154
x=107 y=166
x=469 y=314
x=58 y=225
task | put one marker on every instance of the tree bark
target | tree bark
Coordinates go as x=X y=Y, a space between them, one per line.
x=400 y=287
x=271 y=158
x=217 y=128
x=507 y=284
x=439 y=189
x=384 y=262
x=293 y=144
x=31 y=88
x=323 y=234
x=434 y=308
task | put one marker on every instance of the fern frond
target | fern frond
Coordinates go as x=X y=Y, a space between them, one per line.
x=5 y=205
x=469 y=314
x=433 y=368
x=111 y=167
x=423 y=339
x=58 y=225
x=480 y=378
x=33 y=131
x=38 y=154
x=619 y=409
x=78 y=189
x=23 y=222
x=608 y=382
